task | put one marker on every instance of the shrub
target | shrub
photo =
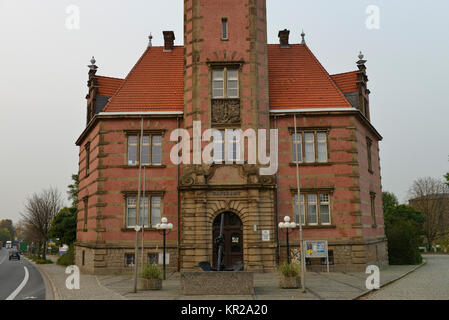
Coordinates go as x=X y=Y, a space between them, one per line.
x=151 y=271
x=68 y=258
x=289 y=269
x=403 y=228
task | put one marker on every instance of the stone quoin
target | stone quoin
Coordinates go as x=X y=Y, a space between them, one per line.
x=226 y=76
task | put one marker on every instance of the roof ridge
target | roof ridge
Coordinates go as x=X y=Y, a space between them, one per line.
x=110 y=77
x=127 y=77
x=342 y=73
x=328 y=76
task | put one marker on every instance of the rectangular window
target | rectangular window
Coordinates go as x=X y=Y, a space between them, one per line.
x=218 y=83
x=297 y=147
x=321 y=138
x=86 y=208
x=369 y=144
x=155 y=210
x=373 y=208
x=145 y=150
x=324 y=209
x=219 y=145
x=309 y=141
x=312 y=211
x=131 y=212
x=129 y=259
x=87 y=158
x=224 y=29
x=133 y=142
x=153 y=258
x=315 y=209
x=310 y=147
x=225 y=83
x=156 y=150
x=151 y=150
x=233 y=83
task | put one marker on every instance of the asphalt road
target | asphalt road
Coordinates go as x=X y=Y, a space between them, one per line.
x=19 y=279
x=430 y=282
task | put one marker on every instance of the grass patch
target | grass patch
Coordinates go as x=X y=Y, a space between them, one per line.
x=38 y=260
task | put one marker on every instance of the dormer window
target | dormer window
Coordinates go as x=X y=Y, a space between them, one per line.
x=224 y=29
x=225 y=83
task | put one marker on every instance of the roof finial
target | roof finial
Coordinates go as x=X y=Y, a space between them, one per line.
x=361 y=61
x=92 y=65
x=150 y=42
x=303 y=35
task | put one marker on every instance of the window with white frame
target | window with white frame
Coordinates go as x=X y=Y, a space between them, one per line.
x=310 y=147
x=151 y=150
x=131 y=212
x=219 y=142
x=315 y=209
x=156 y=208
x=225 y=83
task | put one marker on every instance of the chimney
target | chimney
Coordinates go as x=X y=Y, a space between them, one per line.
x=169 y=40
x=283 y=38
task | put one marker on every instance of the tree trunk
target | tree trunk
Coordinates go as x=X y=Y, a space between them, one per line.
x=39 y=248
x=44 y=256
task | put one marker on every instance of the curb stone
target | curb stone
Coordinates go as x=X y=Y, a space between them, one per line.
x=56 y=295
x=367 y=292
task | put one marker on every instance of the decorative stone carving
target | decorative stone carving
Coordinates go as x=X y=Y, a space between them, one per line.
x=225 y=111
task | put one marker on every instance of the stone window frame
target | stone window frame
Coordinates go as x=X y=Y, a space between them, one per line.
x=149 y=194
x=224 y=28
x=87 y=157
x=149 y=133
x=315 y=131
x=369 y=145
x=85 y=213
x=373 y=208
x=225 y=65
x=317 y=192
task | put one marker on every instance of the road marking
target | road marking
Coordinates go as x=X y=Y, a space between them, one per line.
x=20 y=287
x=4 y=258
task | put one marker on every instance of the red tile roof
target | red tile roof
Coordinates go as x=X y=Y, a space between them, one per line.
x=107 y=86
x=347 y=82
x=156 y=83
x=298 y=80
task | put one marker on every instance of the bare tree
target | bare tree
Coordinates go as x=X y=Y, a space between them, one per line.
x=40 y=209
x=430 y=196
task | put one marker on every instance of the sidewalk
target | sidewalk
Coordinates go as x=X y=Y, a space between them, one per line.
x=320 y=286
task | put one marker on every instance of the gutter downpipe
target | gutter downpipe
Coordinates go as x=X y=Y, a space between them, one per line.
x=278 y=240
x=179 y=210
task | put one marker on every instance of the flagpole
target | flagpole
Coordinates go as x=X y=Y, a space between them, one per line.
x=143 y=214
x=136 y=256
x=298 y=185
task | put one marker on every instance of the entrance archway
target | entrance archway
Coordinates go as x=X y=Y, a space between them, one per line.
x=233 y=239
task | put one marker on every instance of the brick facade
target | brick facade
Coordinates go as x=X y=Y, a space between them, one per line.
x=194 y=195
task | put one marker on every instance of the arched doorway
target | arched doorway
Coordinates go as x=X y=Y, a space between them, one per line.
x=233 y=239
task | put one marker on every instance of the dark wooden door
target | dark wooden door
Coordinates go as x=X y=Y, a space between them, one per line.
x=233 y=237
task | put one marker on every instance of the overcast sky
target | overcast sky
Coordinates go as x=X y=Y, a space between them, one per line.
x=43 y=67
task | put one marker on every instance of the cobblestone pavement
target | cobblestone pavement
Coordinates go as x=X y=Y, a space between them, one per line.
x=431 y=282
x=320 y=286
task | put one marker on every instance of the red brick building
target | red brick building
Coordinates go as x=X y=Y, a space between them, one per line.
x=228 y=77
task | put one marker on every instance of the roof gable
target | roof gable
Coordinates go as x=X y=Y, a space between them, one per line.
x=298 y=80
x=156 y=83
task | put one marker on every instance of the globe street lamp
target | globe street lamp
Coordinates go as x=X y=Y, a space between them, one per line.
x=164 y=227
x=286 y=225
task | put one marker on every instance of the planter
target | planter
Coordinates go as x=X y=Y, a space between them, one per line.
x=150 y=284
x=289 y=282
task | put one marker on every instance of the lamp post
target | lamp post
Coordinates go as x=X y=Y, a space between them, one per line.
x=164 y=227
x=286 y=225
